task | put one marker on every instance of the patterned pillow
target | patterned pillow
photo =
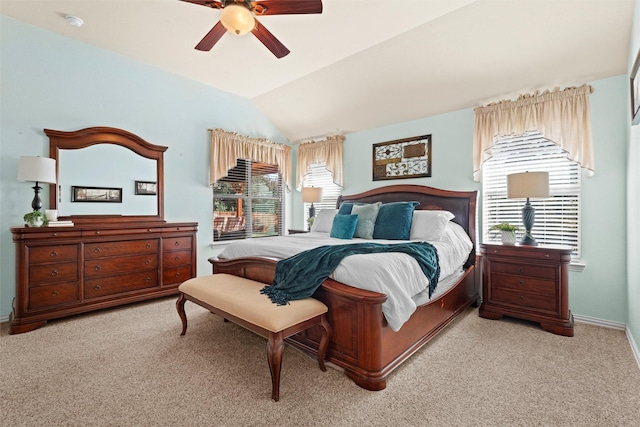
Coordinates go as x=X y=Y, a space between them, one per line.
x=394 y=221
x=367 y=215
x=344 y=226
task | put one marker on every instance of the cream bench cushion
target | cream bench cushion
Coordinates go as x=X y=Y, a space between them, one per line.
x=242 y=298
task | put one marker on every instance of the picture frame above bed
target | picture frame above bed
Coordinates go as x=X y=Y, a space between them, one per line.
x=402 y=158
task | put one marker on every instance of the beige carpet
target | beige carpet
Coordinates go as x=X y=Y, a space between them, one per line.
x=130 y=367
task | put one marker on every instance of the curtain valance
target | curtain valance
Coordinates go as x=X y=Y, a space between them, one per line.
x=227 y=147
x=328 y=151
x=562 y=116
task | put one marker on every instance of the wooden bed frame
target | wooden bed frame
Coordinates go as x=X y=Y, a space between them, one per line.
x=362 y=343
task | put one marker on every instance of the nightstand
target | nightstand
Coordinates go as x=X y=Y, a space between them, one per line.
x=294 y=231
x=527 y=282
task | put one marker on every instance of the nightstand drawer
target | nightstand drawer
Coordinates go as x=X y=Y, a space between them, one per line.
x=525 y=300
x=524 y=270
x=523 y=283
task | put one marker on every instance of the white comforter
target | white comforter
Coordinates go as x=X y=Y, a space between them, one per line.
x=396 y=275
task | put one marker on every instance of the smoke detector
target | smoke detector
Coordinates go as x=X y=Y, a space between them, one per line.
x=74 y=20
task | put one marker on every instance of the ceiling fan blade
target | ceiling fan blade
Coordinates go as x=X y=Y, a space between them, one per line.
x=269 y=40
x=212 y=37
x=286 y=7
x=209 y=3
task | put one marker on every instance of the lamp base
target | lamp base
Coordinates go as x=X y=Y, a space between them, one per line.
x=527 y=239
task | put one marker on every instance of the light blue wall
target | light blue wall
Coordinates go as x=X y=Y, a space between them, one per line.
x=633 y=200
x=50 y=81
x=599 y=291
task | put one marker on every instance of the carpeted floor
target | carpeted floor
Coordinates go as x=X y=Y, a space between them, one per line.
x=130 y=367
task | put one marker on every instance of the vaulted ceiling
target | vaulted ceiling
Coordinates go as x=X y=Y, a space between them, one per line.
x=363 y=63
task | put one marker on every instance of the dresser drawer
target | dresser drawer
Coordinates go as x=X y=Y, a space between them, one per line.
x=53 y=273
x=524 y=269
x=52 y=295
x=176 y=275
x=44 y=254
x=525 y=300
x=119 y=284
x=523 y=283
x=176 y=258
x=176 y=243
x=111 y=266
x=128 y=247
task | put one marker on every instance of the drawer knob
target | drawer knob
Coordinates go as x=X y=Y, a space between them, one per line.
x=96 y=250
x=147 y=246
x=520 y=269
x=148 y=279
x=147 y=262
x=54 y=293
x=97 y=287
x=54 y=273
x=522 y=297
x=54 y=253
x=177 y=274
x=149 y=230
x=177 y=258
x=546 y=255
x=55 y=234
x=97 y=232
x=98 y=267
x=520 y=282
x=176 y=244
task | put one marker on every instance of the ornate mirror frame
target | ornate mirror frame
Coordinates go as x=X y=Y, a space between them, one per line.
x=61 y=140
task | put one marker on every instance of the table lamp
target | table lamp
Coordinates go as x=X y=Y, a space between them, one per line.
x=37 y=169
x=311 y=195
x=527 y=185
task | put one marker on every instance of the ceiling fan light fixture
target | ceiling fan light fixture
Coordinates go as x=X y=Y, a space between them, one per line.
x=237 y=19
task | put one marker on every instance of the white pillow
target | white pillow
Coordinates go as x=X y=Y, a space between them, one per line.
x=429 y=225
x=324 y=221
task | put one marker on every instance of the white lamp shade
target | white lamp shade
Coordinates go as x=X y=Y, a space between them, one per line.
x=237 y=19
x=37 y=169
x=528 y=184
x=311 y=194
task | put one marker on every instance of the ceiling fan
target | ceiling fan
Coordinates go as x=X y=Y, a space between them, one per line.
x=238 y=17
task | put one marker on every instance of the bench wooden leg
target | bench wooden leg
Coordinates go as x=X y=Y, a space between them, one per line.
x=275 y=347
x=324 y=341
x=181 y=313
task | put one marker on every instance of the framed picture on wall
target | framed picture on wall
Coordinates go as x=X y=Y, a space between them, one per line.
x=146 y=188
x=635 y=92
x=96 y=194
x=402 y=158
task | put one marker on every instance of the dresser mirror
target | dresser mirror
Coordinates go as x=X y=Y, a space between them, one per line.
x=106 y=174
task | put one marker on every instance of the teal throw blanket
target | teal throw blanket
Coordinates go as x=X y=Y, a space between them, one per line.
x=299 y=276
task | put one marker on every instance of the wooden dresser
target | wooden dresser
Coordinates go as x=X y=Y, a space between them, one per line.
x=61 y=271
x=527 y=282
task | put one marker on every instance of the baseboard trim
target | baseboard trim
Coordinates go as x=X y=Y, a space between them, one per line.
x=634 y=346
x=4 y=319
x=612 y=325
x=599 y=322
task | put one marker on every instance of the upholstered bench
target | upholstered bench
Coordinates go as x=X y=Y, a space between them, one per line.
x=239 y=300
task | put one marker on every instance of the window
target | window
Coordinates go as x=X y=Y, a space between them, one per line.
x=557 y=220
x=248 y=202
x=318 y=176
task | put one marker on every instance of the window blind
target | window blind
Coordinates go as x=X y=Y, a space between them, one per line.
x=557 y=219
x=318 y=176
x=248 y=202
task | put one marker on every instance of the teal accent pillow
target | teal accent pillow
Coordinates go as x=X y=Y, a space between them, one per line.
x=344 y=226
x=345 y=208
x=367 y=215
x=394 y=221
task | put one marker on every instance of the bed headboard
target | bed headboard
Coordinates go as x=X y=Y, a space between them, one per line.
x=461 y=203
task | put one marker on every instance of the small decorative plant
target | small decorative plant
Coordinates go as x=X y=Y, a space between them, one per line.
x=507 y=232
x=35 y=219
x=310 y=221
x=505 y=226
